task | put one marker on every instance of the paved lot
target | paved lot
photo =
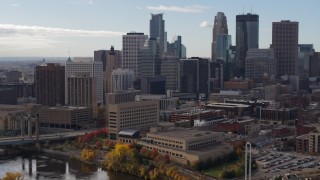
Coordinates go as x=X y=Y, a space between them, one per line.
x=272 y=163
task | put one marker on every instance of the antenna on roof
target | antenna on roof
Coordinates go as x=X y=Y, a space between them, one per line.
x=242 y=9
x=251 y=8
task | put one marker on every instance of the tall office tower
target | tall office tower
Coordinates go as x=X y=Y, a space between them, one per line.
x=223 y=44
x=194 y=76
x=153 y=85
x=260 y=62
x=82 y=91
x=122 y=80
x=216 y=77
x=247 y=37
x=177 y=48
x=220 y=27
x=157 y=30
x=169 y=69
x=102 y=55
x=49 y=84
x=314 y=65
x=132 y=43
x=285 y=46
x=149 y=61
x=112 y=63
x=305 y=52
x=86 y=65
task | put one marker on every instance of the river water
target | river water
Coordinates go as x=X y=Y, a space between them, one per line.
x=43 y=167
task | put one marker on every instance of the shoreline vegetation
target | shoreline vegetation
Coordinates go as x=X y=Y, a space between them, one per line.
x=96 y=149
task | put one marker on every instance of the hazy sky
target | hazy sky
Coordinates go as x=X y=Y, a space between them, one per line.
x=52 y=27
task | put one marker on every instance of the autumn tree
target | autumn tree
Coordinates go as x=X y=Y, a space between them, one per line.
x=122 y=159
x=12 y=176
x=87 y=154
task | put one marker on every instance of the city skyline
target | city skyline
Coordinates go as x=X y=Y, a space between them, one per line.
x=52 y=28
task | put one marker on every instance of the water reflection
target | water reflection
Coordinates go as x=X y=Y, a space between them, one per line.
x=43 y=167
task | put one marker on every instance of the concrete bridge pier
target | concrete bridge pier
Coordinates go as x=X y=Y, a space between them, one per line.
x=23 y=126
x=29 y=128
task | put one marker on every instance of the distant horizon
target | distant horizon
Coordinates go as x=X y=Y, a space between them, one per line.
x=35 y=29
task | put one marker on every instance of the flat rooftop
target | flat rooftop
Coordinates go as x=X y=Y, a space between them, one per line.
x=228 y=105
x=186 y=134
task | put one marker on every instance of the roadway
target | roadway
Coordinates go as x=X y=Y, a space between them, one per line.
x=18 y=140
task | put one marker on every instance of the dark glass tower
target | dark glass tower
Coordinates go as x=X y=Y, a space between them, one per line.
x=157 y=30
x=247 y=37
x=285 y=45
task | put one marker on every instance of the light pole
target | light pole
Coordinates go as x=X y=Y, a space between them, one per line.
x=247 y=175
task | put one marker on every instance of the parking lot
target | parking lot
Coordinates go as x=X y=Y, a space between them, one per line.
x=272 y=164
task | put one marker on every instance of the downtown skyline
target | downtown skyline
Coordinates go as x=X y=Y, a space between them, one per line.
x=51 y=28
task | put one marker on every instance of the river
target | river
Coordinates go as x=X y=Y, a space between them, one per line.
x=43 y=167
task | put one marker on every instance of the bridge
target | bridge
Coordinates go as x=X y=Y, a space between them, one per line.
x=25 y=140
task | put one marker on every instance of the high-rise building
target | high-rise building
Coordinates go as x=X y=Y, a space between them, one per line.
x=314 y=63
x=259 y=63
x=285 y=46
x=220 y=27
x=223 y=44
x=132 y=43
x=86 y=65
x=305 y=52
x=149 y=60
x=194 y=76
x=138 y=115
x=122 y=80
x=177 y=48
x=247 y=37
x=169 y=67
x=50 y=84
x=112 y=63
x=157 y=30
x=216 y=76
x=82 y=90
x=102 y=55
x=153 y=85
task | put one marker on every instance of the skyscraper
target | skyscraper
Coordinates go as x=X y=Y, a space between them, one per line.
x=223 y=45
x=260 y=62
x=285 y=45
x=86 y=65
x=220 y=27
x=169 y=67
x=132 y=43
x=49 y=84
x=194 y=76
x=112 y=63
x=149 y=60
x=247 y=37
x=122 y=80
x=157 y=30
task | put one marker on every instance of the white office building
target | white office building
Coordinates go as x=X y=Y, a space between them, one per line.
x=85 y=65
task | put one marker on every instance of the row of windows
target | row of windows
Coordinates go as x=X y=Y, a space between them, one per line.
x=165 y=152
x=201 y=144
x=165 y=140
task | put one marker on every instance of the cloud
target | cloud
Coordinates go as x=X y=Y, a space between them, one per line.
x=15 y=4
x=185 y=9
x=205 y=24
x=16 y=30
x=89 y=1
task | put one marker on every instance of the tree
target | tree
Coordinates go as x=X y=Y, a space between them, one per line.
x=87 y=154
x=154 y=153
x=13 y=176
x=122 y=159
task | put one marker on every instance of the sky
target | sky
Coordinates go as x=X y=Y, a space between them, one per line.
x=56 y=27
